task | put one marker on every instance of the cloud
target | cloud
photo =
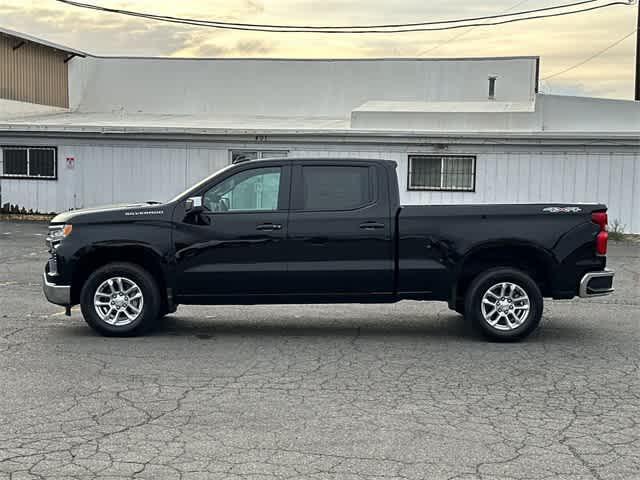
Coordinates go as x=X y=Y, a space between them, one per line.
x=254 y=6
x=203 y=50
x=560 y=42
x=563 y=88
x=253 y=47
x=242 y=48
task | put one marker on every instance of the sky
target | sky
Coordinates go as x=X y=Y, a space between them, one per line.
x=560 y=42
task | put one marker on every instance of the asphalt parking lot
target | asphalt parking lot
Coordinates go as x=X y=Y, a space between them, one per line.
x=341 y=392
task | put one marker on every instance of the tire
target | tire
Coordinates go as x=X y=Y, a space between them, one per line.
x=502 y=314
x=120 y=299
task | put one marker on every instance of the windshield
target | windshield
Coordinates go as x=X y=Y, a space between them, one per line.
x=191 y=190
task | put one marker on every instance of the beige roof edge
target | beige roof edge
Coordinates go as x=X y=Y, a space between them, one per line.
x=40 y=41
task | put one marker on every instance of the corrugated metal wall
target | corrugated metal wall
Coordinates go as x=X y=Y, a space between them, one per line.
x=104 y=174
x=535 y=176
x=110 y=173
x=32 y=73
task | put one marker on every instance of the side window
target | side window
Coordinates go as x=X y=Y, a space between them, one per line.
x=336 y=187
x=251 y=190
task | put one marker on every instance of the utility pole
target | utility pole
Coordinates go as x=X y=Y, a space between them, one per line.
x=638 y=57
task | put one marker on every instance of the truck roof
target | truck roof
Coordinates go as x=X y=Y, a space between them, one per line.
x=388 y=163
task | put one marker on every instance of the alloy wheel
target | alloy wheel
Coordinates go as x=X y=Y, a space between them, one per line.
x=118 y=301
x=505 y=306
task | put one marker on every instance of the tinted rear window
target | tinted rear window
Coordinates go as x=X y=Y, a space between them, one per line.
x=335 y=187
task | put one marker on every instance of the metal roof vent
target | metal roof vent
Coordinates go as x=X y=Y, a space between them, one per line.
x=492 y=87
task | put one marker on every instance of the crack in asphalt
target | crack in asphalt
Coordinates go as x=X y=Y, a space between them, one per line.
x=316 y=392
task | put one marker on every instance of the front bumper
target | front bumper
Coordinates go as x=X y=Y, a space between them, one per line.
x=597 y=284
x=58 y=294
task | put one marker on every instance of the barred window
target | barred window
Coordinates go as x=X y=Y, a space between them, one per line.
x=437 y=172
x=29 y=162
x=238 y=156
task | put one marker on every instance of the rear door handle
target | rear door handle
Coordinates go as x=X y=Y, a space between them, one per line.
x=371 y=225
x=269 y=227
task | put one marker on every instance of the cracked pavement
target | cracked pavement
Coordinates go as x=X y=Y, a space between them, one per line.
x=350 y=392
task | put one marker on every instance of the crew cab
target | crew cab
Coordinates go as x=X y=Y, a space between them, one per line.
x=283 y=231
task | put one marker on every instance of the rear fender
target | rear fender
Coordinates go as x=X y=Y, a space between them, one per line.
x=529 y=256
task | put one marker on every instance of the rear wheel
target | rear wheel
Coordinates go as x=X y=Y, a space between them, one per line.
x=120 y=299
x=505 y=303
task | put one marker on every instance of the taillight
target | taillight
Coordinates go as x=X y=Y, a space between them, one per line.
x=600 y=218
x=601 y=243
x=602 y=239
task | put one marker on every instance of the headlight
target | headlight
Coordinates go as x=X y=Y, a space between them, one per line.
x=58 y=232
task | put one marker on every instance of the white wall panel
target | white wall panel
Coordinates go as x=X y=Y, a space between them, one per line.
x=544 y=177
x=134 y=171
x=634 y=223
x=159 y=173
x=578 y=114
x=40 y=195
x=106 y=173
x=329 y=88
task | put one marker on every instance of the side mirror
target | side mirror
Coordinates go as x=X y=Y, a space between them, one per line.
x=193 y=203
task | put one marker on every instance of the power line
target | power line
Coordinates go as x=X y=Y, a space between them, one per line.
x=354 y=29
x=310 y=27
x=595 y=55
x=462 y=34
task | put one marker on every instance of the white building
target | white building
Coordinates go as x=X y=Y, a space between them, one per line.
x=470 y=130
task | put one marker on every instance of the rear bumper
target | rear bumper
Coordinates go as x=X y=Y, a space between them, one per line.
x=596 y=284
x=58 y=294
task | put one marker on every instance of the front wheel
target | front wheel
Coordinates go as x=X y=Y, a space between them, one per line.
x=120 y=299
x=505 y=303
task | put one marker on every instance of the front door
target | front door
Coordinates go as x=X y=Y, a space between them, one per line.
x=339 y=230
x=235 y=246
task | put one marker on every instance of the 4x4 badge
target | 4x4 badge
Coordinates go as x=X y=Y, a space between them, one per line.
x=562 y=209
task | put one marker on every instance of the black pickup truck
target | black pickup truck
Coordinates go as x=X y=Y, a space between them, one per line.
x=322 y=231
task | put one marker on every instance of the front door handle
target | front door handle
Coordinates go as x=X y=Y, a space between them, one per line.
x=269 y=227
x=371 y=225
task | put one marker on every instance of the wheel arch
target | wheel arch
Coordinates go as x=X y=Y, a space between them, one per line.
x=527 y=256
x=98 y=256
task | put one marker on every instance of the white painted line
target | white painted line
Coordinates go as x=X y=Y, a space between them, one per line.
x=75 y=309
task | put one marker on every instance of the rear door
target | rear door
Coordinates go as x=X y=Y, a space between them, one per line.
x=339 y=232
